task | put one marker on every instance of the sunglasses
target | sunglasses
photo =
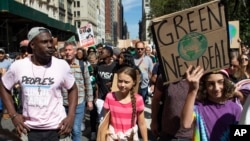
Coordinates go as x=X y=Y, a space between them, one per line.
x=140 y=48
x=245 y=59
x=234 y=66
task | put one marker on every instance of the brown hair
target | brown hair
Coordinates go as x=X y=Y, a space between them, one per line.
x=228 y=91
x=69 y=43
x=240 y=74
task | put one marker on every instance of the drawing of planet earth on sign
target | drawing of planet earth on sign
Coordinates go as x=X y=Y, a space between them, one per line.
x=192 y=46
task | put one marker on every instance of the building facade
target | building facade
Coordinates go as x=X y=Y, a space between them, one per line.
x=144 y=24
x=85 y=12
x=17 y=17
x=101 y=21
x=109 y=20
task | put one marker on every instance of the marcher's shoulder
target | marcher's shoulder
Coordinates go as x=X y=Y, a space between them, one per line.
x=234 y=104
x=110 y=95
x=147 y=57
x=20 y=62
x=138 y=97
x=8 y=61
x=59 y=61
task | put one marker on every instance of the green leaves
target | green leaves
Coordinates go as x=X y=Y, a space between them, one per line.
x=237 y=10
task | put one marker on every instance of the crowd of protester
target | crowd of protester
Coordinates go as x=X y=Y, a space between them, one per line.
x=84 y=77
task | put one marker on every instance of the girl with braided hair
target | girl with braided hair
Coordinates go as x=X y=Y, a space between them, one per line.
x=126 y=108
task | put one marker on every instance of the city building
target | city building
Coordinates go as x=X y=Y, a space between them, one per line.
x=109 y=20
x=100 y=21
x=115 y=25
x=85 y=12
x=144 y=24
x=17 y=17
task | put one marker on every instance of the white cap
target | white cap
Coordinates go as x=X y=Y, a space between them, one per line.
x=36 y=31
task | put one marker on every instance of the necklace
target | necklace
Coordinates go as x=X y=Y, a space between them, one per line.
x=39 y=86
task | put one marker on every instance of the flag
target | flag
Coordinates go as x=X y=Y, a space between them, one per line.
x=72 y=39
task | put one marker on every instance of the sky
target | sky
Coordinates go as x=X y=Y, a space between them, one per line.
x=132 y=15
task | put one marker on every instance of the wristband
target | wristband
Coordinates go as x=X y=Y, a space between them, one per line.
x=13 y=116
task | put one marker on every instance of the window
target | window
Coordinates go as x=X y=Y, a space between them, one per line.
x=78 y=13
x=77 y=24
x=78 y=3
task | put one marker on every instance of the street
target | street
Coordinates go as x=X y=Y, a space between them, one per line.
x=7 y=124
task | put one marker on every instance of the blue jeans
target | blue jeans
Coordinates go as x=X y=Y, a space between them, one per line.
x=76 y=131
x=144 y=93
x=1 y=104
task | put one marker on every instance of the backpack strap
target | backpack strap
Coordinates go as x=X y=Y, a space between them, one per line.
x=81 y=63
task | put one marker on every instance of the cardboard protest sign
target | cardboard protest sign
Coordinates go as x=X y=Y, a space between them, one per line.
x=197 y=36
x=124 y=43
x=234 y=34
x=86 y=36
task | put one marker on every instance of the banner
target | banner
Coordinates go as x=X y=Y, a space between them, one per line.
x=197 y=36
x=72 y=39
x=124 y=43
x=86 y=36
x=234 y=34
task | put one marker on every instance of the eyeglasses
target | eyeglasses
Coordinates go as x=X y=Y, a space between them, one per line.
x=234 y=66
x=245 y=59
x=140 y=48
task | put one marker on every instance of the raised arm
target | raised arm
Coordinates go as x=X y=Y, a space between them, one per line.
x=155 y=106
x=193 y=78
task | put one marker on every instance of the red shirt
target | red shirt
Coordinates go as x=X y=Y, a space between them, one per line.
x=121 y=114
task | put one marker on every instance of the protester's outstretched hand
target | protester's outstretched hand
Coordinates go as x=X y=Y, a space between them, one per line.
x=18 y=121
x=66 y=125
x=193 y=76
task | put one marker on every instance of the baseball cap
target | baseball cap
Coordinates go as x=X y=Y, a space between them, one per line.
x=36 y=31
x=116 y=51
x=2 y=50
x=91 y=49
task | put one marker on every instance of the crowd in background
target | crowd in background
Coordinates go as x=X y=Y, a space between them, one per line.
x=199 y=98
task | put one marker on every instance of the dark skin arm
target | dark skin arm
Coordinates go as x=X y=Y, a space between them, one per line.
x=17 y=119
x=96 y=93
x=67 y=124
x=155 y=106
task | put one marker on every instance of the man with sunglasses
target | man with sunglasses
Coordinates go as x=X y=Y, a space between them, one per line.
x=145 y=64
x=41 y=77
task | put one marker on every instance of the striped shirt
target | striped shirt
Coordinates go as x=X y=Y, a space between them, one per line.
x=121 y=114
x=83 y=83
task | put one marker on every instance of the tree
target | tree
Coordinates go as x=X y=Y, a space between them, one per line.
x=236 y=10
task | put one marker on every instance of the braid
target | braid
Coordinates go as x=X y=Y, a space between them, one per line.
x=133 y=100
